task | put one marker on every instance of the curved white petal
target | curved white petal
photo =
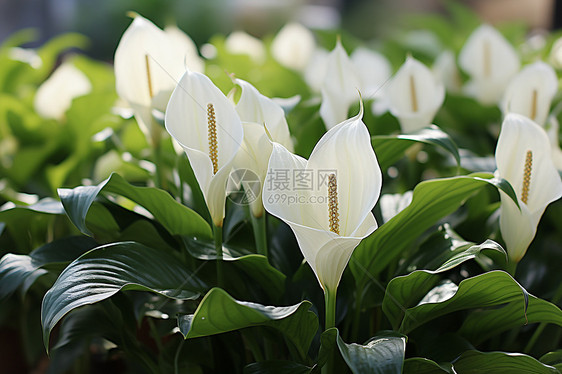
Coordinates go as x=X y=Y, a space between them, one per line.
x=490 y=61
x=414 y=95
x=373 y=71
x=255 y=107
x=293 y=46
x=339 y=88
x=186 y=47
x=316 y=70
x=519 y=135
x=54 y=97
x=347 y=151
x=446 y=71
x=240 y=42
x=531 y=91
x=147 y=67
x=187 y=121
x=552 y=132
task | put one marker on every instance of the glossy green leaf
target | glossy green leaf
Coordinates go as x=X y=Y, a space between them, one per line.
x=276 y=367
x=218 y=312
x=485 y=290
x=16 y=270
x=432 y=200
x=406 y=291
x=419 y=365
x=474 y=362
x=553 y=359
x=104 y=271
x=176 y=218
x=481 y=325
x=390 y=148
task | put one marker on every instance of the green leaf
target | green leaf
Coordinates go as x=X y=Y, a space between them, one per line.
x=381 y=355
x=485 y=290
x=481 y=325
x=432 y=200
x=104 y=271
x=175 y=217
x=553 y=359
x=474 y=362
x=419 y=365
x=406 y=291
x=16 y=270
x=390 y=148
x=218 y=312
x=276 y=367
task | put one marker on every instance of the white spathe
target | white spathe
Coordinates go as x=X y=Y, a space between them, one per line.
x=188 y=123
x=54 y=97
x=293 y=46
x=262 y=118
x=148 y=64
x=490 y=61
x=519 y=135
x=339 y=87
x=445 y=69
x=373 y=71
x=240 y=42
x=315 y=71
x=552 y=127
x=346 y=151
x=414 y=95
x=531 y=91
x=192 y=60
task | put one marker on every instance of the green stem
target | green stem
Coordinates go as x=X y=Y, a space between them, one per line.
x=217 y=231
x=260 y=233
x=154 y=333
x=330 y=302
x=177 y=357
x=555 y=300
x=511 y=267
x=155 y=140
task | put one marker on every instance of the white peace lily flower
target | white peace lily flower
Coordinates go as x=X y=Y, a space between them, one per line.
x=259 y=113
x=392 y=204
x=293 y=46
x=54 y=97
x=148 y=64
x=203 y=121
x=240 y=42
x=490 y=61
x=333 y=216
x=556 y=54
x=315 y=71
x=552 y=132
x=414 y=95
x=180 y=39
x=531 y=91
x=445 y=69
x=523 y=158
x=373 y=70
x=339 y=87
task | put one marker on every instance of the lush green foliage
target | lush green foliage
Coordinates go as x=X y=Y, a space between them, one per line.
x=100 y=250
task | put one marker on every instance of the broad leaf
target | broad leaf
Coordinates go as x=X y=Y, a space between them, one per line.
x=218 y=312
x=390 y=148
x=176 y=218
x=276 y=367
x=432 y=200
x=16 y=270
x=485 y=290
x=104 y=271
x=474 y=362
x=418 y=365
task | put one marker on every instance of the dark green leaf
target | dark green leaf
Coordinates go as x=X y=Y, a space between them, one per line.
x=432 y=200
x=218 y=312
x=474 y=362
x=176 y=218
x=390 y=148
x=276 y=367
x=104 y=271
x=418 y=365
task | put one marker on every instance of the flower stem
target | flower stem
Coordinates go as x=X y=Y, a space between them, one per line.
x=217 y=233
x=330 y=300
x=511 y=267
x=357 y=312
x=555 y=300
x=260 y=233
